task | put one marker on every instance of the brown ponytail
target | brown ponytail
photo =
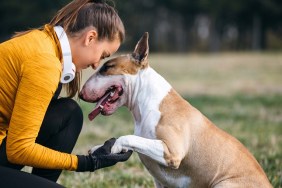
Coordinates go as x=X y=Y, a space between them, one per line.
x=79 y=14
x=67 y=15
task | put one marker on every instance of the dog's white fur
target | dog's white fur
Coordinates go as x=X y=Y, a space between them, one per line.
x=178 y=145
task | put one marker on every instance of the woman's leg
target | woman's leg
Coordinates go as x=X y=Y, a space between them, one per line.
x=4 y=160
x=59 y=131
x=12 y=178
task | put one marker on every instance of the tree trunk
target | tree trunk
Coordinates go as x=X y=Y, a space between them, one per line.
x=258 y=34
x=215 y=39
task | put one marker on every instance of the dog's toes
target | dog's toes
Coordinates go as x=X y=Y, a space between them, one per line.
x=116 y=149
x=124 y=150
x=93 y=149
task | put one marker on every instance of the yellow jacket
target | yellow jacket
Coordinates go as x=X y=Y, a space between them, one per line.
x=30 y=71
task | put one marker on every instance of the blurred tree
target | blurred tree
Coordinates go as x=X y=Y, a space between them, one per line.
x=174 y=25
x=172 y=22
x=18 y=15
x=257 y=17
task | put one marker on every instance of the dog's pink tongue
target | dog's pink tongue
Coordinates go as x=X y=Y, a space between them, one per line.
x=94 y=113
x=99 y=106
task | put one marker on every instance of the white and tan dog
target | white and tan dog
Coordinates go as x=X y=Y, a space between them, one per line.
x=178 y=145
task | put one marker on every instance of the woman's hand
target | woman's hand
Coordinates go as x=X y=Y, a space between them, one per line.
x=101 y=158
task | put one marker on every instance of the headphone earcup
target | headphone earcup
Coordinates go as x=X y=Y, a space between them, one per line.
x=68 y=72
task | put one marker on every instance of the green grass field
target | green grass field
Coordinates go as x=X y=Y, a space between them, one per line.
x=240 y=92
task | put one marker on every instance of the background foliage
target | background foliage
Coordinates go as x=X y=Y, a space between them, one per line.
x=175 y=25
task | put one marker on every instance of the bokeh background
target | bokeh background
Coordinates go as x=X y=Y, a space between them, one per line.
x=224 y=57
x=174 y=25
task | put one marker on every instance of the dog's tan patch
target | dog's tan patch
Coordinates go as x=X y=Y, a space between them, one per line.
x=173 y=128
x=120 y=65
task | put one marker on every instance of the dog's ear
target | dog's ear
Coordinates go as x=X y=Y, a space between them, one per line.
x=141 y=50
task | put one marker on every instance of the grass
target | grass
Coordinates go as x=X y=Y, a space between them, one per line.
x=240 y=92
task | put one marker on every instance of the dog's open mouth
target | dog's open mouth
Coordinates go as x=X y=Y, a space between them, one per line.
x=111 y=95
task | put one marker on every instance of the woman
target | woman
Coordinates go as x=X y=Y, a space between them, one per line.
x=36 y=128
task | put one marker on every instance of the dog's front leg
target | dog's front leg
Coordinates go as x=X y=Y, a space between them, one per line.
x=149 y=147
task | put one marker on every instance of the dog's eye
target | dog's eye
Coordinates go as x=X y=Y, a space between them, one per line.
x=105 y=68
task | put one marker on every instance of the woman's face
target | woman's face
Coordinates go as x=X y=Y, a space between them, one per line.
x=88 y=51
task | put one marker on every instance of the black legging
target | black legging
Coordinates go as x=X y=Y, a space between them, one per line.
x=59 y=131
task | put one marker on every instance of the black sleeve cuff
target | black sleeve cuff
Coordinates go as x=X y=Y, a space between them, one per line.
x=85 y=163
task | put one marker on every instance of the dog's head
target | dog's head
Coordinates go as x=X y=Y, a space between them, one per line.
x=106 y=87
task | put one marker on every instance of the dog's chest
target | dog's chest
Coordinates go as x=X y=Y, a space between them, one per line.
x=164 y=175
x=147 y=126
x=145 y=133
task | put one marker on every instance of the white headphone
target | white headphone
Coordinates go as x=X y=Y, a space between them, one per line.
x=68 y=72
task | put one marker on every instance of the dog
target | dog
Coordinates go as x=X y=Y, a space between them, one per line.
x=178 y=145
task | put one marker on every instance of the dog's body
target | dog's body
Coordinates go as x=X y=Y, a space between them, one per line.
x=178 y=145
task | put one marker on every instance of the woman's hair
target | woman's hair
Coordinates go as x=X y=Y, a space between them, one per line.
x=80 y=14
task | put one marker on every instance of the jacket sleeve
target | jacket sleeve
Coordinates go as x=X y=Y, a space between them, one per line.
x=37 y=85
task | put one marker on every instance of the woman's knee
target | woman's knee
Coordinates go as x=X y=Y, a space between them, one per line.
x=72 y=110
x=63 y=121
x=71 y=105
x=62 y=113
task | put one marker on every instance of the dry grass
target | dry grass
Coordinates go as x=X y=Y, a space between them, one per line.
x=221 y=74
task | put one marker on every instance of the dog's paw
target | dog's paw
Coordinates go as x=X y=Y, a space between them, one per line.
x=120 y=145
x=94 y=149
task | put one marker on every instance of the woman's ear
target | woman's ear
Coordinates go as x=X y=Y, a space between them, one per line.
x=90 y=37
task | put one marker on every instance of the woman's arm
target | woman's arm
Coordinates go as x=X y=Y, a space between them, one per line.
x=38 y=83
